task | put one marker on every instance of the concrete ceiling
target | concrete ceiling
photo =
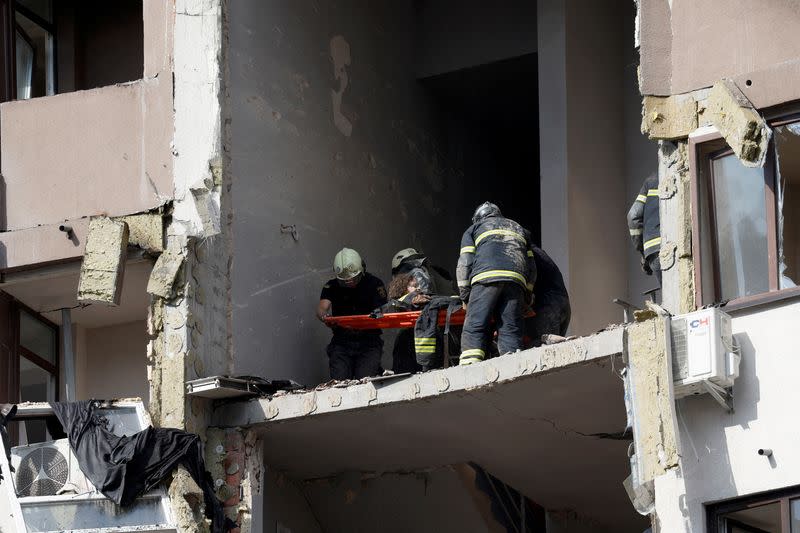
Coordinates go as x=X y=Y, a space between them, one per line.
x=534 y=433
x=48 y=294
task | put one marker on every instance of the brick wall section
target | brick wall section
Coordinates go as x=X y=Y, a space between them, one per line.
x=234 y=464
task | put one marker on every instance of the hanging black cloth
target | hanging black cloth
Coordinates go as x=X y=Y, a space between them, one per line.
x=122 y=468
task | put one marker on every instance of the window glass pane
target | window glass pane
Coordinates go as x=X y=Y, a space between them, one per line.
x=38 y=337
x=766 y=518
x=795 y=508
x=35 y=385
x=43 y=8
x=787 y=147
x=92 y=515
x=741 y=228
x=34 y=59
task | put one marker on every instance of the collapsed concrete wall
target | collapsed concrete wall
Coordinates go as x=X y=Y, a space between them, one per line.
x=334 y=144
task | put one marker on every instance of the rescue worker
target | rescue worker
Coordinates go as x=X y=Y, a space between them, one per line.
x=352 y=354
x=428 y=280
x=431 y=279
x=644 y=226
x=496 y=273
x=552 y=300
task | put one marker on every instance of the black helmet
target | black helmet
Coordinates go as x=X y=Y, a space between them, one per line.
x=485 y=210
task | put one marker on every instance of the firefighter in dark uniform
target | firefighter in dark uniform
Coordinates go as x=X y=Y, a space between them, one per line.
x=552 y=307
x=495 y=275
x=429 y=280
x=352 y=354
x=644 y=226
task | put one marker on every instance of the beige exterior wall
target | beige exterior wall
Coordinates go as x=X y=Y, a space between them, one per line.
x=113 y=362
x=106 y=150
x=713 y=39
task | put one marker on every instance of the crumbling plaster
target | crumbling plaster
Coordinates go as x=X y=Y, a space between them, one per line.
x=103 y=266
x=724 y=106
x=676 y=259
x=189 y=317
x=650 y=386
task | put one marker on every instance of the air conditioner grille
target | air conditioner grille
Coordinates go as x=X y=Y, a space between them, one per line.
x=680 y=352
x=43 y=472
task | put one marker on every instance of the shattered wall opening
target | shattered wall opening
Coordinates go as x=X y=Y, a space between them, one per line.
x=336 y=139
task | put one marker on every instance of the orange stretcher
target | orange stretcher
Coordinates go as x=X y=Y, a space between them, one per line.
x=397 y=320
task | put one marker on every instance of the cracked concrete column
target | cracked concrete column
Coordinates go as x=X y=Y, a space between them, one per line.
x=677 y=264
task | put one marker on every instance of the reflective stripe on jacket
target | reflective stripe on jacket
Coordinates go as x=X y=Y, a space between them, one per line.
x=495 y=249
x=643 y=219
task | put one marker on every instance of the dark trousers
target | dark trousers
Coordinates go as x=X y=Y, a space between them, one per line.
x=502 y=302
x=404 y=358
x=553 y=314
x=355 y=358
x=654 y=263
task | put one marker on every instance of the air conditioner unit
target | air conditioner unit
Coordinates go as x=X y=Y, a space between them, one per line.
x=47 y=469
x=703 y=351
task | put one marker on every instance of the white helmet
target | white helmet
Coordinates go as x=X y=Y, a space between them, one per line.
x=347 y=264
x=402 y=255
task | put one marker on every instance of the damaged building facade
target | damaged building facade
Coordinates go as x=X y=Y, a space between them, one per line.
x=177 y=176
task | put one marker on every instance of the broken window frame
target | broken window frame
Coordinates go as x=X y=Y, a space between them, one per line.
x=703 y=150
x=31 y=411
x=715 y=520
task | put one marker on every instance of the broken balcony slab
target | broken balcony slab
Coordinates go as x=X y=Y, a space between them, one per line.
x=547 y=421
x=423 y=386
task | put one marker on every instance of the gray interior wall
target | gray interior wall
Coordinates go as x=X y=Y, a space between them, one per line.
x=370 y=174
x=454 y=34
x=430 y=501
x=286 y=509
x=591 y=152
x=641 y=155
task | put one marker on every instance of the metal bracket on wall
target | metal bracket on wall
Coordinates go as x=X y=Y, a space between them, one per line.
x=723 y=396
x=291 y=229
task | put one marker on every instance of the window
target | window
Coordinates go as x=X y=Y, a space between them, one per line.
x=49 y=47
x=777 y=512
x=29 y=354
x=34 y=48
x=746 y=220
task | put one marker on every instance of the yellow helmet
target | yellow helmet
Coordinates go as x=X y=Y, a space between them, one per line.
x=347 y=264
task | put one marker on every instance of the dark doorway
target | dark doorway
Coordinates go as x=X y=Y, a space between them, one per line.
x=492 y=117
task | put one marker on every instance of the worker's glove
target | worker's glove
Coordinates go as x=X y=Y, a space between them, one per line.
x=646 y=267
